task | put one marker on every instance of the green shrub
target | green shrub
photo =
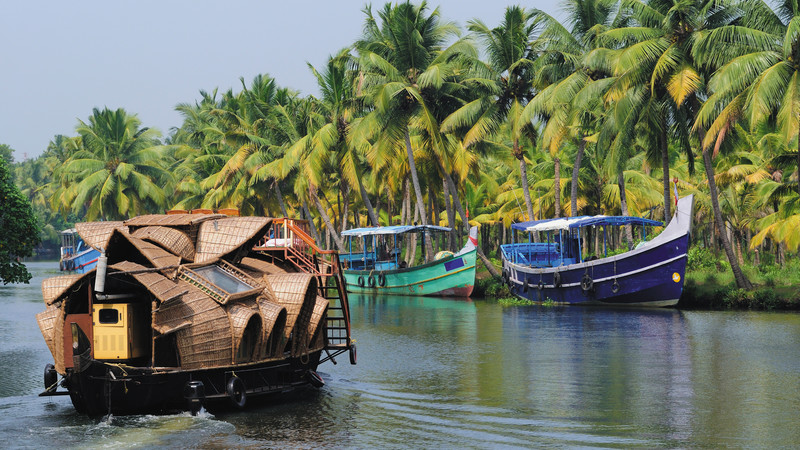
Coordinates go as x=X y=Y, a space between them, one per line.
x=491 y=288
x=701 y=258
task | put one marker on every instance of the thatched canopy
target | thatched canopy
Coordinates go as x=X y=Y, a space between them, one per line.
x=218 y=238
x=96 y=234
x=171 y=239
x=54 y=288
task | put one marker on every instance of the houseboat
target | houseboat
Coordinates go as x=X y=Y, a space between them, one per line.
x=187 y=310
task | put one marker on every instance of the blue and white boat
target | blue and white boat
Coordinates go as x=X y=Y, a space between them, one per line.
x=651 y=274
x=76 y=256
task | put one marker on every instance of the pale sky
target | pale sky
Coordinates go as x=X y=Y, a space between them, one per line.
x=59 y=59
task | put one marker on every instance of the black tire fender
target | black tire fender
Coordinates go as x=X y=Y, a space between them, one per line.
x=381 y=280
x=361 y=281
x=353 y=354
x=587 y=283
x=50 y=376
x=615 y=286
x=315 y=379
x=236 y=392
x=371 y=281
x=557 y=279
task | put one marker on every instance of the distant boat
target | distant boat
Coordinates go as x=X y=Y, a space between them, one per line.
x=76 y=256
x=379 y=269
x=651 y=274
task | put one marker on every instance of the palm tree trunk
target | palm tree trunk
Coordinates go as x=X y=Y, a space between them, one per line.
x=623 y=204
x=325 y=218
x=488 y=264
x=798 y=162
x=557 y=186
x=346 y=206
x=412 y=246
x=310 y=219
x=279 y=194
x=665 y=171
x=373 y=218
x=412 y=167
x=575 y=169
x=523 y=174
x=451 y=217
x=741 y=280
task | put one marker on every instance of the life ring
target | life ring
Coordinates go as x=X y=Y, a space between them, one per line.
x=236 y=392
x=557 y=279
x=353 y=355
x=50 y=377
x=615 y=286
x=587 y=283
x=315 y=379
x=371 y=281
x=361 y=281
x=381 y=280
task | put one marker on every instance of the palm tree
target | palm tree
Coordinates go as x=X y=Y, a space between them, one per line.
x=504 y=87
x=116 y=172
x=406 y=70
x=339 y=108
x=570 y=97
x=658 y=68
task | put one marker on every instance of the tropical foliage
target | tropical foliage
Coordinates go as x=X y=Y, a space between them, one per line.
x=423 y=121
x=20 y=232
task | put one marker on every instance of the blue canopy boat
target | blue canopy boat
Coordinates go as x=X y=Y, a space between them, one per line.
x=651 y=274
x=76 y=256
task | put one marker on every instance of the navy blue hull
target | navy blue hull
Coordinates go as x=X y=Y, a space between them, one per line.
x=653 y=276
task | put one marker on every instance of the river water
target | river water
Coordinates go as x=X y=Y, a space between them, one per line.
x=437 y=373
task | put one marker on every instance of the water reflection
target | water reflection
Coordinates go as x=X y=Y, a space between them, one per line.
x=458 y=373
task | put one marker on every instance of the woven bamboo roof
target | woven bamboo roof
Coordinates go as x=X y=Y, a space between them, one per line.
x=297 y=293
x=240 y=315
x=160 y=286
x=157 y=256
x=207 y=342
x=261 y=266
x=170 y=220
x=51 y=323
x=96 y=234
x=173 y=240
x=219 y=237
x=320 y=307
x=274 y=322
x=54 y=288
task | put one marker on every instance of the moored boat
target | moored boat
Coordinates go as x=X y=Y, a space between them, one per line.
x=651 y=274
x=378 y=268
x=76 y=256
x=187 y=310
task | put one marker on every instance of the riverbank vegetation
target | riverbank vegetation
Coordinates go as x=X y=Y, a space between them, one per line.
x=610 y=111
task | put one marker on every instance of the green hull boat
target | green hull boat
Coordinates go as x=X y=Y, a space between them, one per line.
x=449 y=275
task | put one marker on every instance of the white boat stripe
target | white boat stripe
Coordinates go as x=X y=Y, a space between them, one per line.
x=626 y=274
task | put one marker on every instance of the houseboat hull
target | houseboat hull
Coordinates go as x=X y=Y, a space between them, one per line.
x=651 y=275
x=102 y=388
x=453 y=276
